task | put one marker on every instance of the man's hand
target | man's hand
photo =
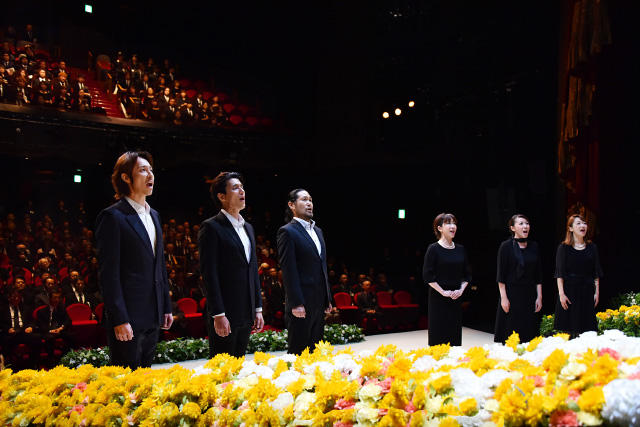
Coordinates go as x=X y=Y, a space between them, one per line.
x=123 y=332
x=168 y=321
x=222 y=326
x=328 y=309
x=28 y=330
x=258 y=323
x=11 y=331
x=299 y=311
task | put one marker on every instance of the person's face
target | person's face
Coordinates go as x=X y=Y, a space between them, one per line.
x=50 y=283
x=67 y=258
x=172 y=102
x=520 y=228
x=62 y=65
x=42 y=73
x=170 y=248
x=366 y=285
x=167 y=91
x=234 y=197
x=273 y=272
x=344 y=279
x=44 y=263
x=578 y=228
x=303 y=206
x=54 y=300
x=142 y=176
x=145 y=78
x=5 y=56
x=172 y=274
x=150 y=91
x=74 y=275
x=80 y=284
x=448 y=230
x=29 y=27
x=20 y=284
x=21 y=248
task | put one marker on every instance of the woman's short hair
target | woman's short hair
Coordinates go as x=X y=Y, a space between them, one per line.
x=512 y=221
x=443 y=218
x=219 y=185
x=568 y=238
x=124 y=165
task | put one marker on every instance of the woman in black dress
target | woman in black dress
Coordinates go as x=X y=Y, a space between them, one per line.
x=578 y=273
x=519 y=279
x=446 y=270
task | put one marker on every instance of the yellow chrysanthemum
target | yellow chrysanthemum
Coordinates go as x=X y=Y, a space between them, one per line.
x=591 y=400
x=442 y=383
x=449 y=422
x=534 y=343
x=469 y=407
x=513 y=341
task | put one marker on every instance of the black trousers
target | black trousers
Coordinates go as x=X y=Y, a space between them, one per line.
x=305 y=332
x=234 y=344
x=137 y=353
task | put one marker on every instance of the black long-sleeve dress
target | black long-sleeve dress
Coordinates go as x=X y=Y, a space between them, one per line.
x=520 y=270
x=449 y=268
x=578 y=269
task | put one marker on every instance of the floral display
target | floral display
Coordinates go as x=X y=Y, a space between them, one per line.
x=625 y=319
x=183 y=349
x=589 y=380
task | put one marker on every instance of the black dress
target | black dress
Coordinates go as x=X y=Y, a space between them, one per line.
x=578 y=269
x=449 y=268
x=520 y=270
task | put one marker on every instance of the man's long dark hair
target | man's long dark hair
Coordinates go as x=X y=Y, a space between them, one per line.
x=293 y=196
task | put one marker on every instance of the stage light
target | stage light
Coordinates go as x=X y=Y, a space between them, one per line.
x=402 y=214
x=398 y=111
x=411 y=104
x=77 y=179
x=385 y=115
x=88 y=8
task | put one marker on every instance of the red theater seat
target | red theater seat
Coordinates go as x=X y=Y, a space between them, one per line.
x=228 y=107
x=195 y=321
x=349 y=313
x=409 y=311
x=191 y=93
x=388 y=310
x=235 y=119
x=187 y=305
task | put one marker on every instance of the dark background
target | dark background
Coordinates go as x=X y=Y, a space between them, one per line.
x=481 y=141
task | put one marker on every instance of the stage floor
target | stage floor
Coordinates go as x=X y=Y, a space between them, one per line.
x=404 y=340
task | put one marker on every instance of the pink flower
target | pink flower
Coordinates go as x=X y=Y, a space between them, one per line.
x=77 y=408
x=410 y=408
x=635 y=376
x=344 y=404
x=563 y=419
x=382 y=412
x=386 y=385
x=611 y=352
x=341 y=424
x=79 y=386
x=574 y=394
x=538 y=381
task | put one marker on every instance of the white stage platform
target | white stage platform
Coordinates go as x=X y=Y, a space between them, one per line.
x=406 y=341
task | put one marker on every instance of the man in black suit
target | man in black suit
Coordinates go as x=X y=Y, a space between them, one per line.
x=303 y=259
x=132 y=273
x=16 y=325
x=229 y=267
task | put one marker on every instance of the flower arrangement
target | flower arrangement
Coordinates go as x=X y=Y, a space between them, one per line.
x=625 y=319
x=628 y=298
x=183 y=349
x=590 y=380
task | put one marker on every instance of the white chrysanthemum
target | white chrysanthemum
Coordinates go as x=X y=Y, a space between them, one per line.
x=500 y=352
x=572 y=370
x=286 y=378
x=467 y=384
x=423 y=364
x=370 y=392
x=283 y=401
x=622 y=402
x=366 y=414
x=326 y=369
x=365 y=353
x=493 y=378
x=289 y=358
x=200 y=370
x=479 y=419
x=249 y=367
x=303 y=402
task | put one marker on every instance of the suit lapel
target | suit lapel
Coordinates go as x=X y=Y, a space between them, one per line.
x=231 y=232
x=307 y=237
x=134 y=220
x=158 y=227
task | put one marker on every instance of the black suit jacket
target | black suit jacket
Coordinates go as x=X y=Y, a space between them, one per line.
x=304 y=271
x=47 y=321
x=133 y=281
x=5 y=318
x=232 y=284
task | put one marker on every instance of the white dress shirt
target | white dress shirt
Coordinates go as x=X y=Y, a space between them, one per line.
x=144 y=212
x=16 y=317
x=310 y=227
x=238 y=225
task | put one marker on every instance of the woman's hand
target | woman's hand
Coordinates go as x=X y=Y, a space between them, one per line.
x=596 y=299
x=564 y=301
x=538 y=304
x=505 y=304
